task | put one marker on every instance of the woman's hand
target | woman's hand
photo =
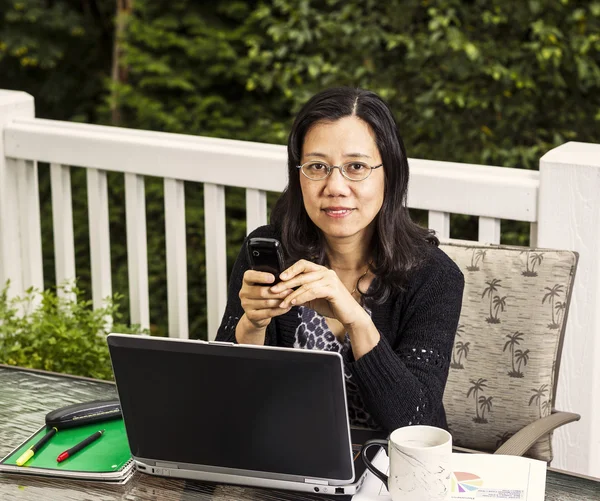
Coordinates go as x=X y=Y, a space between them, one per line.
x=259 y=303
x=320 y=289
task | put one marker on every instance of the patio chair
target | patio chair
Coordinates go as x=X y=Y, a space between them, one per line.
x=504 y=369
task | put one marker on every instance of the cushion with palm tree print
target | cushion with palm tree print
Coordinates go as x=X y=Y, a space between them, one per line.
x=502 y=371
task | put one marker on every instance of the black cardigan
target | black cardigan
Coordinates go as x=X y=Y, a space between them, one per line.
x=402 y=379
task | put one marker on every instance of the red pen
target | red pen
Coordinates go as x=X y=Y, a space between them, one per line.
x=76 y=448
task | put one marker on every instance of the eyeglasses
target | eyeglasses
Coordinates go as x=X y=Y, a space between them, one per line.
x=353 y=171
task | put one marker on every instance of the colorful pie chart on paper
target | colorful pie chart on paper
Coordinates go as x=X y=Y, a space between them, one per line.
x=465 y=482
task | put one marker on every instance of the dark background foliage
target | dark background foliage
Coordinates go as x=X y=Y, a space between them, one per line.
x=479 y=81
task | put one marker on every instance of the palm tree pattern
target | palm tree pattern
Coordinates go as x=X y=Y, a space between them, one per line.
x=496 y=302
x=522 y=357
x=537 y=399
x=485 y=404
x=535 y=258
x=476 y=256
x=503 y=438
x=501 y=379
x=552 y=293
x=546 y=407
x=560 y=308
x=499 y=304
x=519 y=356
x=480 y=401
x=460 y=349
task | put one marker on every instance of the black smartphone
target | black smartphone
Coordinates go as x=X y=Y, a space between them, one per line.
x=266 y=254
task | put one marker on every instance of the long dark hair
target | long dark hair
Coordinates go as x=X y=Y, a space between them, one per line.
x=398 y=243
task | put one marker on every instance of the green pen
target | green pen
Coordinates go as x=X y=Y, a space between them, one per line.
x=28 y=454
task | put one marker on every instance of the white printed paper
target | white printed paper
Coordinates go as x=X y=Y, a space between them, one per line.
x=475 y=477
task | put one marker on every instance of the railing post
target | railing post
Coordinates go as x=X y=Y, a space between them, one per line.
x=216 y=256
x=177 y=291
x=569 y=218
x=13 y=104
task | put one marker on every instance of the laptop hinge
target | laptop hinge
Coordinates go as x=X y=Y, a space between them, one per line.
x=315 y=481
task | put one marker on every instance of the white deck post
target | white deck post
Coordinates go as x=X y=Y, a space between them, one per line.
x=440 y=223
x=137 y=250
x=29 y=224
x=569 y=218
x=256 y=209
x=62 y=223
x=98 y=217
x=177 y=292
x=216 y=256
x=13 y=104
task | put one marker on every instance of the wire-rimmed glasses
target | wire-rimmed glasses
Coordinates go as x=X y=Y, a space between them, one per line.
x=318 y=170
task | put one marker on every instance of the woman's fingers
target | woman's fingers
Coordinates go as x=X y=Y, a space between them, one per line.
x=299 y=280
x=315 y=290
x=259 y=316
x=258 y=277
x=261 y=292
x=260 y=304
x=299 y=267
x=255 y=285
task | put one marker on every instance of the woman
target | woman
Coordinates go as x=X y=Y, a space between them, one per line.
x=363 y=279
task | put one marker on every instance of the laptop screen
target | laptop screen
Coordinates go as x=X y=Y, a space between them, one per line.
x=261 y=409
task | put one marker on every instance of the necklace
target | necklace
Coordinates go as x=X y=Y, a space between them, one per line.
x=360 y=278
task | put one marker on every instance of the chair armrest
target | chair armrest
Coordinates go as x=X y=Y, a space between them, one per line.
x=521 y=442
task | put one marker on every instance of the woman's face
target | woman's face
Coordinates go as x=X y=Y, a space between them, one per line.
x=341 y=208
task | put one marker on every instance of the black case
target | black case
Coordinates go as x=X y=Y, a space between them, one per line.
x=266 y=254
x=84 y=413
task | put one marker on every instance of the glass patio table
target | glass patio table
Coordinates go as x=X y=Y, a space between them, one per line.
x=26 y=396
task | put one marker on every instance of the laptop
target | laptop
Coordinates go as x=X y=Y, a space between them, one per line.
x=251 y=415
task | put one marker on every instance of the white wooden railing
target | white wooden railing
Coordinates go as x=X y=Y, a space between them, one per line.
x=561 y=201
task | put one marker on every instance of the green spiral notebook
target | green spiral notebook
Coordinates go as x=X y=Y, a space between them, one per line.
x=108 y=458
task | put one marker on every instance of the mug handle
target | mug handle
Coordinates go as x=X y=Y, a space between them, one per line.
x=363 y=454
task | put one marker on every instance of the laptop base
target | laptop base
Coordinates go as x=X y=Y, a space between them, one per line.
x=221 y=478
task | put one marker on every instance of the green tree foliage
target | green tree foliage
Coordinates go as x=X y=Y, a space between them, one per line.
x=476 y=81
x=189 y=67
x=470 y=80
x=58 y=51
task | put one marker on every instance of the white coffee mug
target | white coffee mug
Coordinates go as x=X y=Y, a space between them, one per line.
x=419 y=463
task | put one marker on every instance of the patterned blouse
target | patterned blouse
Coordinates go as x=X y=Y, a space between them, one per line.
x=313 y=333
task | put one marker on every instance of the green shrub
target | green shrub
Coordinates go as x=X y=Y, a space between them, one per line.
x=50 y=331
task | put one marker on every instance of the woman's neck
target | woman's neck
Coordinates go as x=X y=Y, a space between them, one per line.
x=347 y=255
